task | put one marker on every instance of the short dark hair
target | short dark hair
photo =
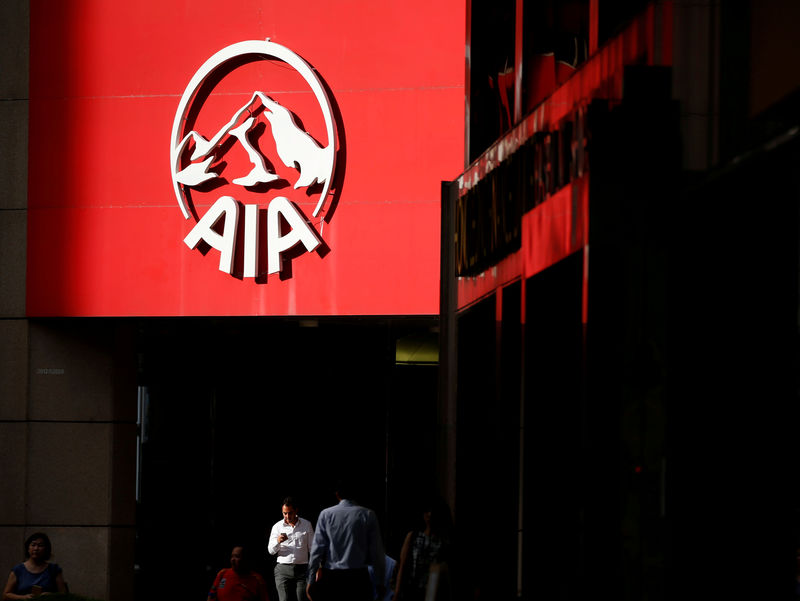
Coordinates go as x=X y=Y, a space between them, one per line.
x=347 y=487
x=48 y=547
x=244 y=558
x=289 y=502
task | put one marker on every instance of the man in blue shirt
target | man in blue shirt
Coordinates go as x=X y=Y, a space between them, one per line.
x=347 y=540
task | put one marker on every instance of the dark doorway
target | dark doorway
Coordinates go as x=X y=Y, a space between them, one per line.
x=240 y=413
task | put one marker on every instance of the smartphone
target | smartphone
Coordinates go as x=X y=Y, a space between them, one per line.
x=36 y=590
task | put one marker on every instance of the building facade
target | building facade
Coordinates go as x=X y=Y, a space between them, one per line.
x=620 y=300
x=220 y=273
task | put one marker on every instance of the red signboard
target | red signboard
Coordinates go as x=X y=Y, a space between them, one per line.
x=107 y=234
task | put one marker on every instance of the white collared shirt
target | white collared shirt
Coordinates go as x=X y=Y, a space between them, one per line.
x=294 y=550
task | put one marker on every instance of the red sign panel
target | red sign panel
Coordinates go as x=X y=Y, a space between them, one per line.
x=324 y=211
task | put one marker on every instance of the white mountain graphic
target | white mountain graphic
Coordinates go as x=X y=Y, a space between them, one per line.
x=295 y=147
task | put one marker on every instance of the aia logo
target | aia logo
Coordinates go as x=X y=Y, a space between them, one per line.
x=253 y=158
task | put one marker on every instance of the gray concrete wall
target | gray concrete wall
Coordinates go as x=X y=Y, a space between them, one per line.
x=68 y=466
x=696 y=79
x=14 y=155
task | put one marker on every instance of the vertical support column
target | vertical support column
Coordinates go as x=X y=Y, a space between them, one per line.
x=81 y=451
x=695 y=80
x=448 y=359
x=14 y=15
x=521 y=481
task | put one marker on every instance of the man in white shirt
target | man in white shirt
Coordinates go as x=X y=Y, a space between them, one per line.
x=290 y=539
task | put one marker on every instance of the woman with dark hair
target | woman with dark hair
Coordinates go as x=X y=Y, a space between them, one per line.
x=36 y=575
x=429 y=546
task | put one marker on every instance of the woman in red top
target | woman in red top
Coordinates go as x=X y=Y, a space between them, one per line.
x=238 y=583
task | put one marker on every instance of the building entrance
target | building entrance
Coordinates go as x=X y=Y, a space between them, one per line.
x=236 y=414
